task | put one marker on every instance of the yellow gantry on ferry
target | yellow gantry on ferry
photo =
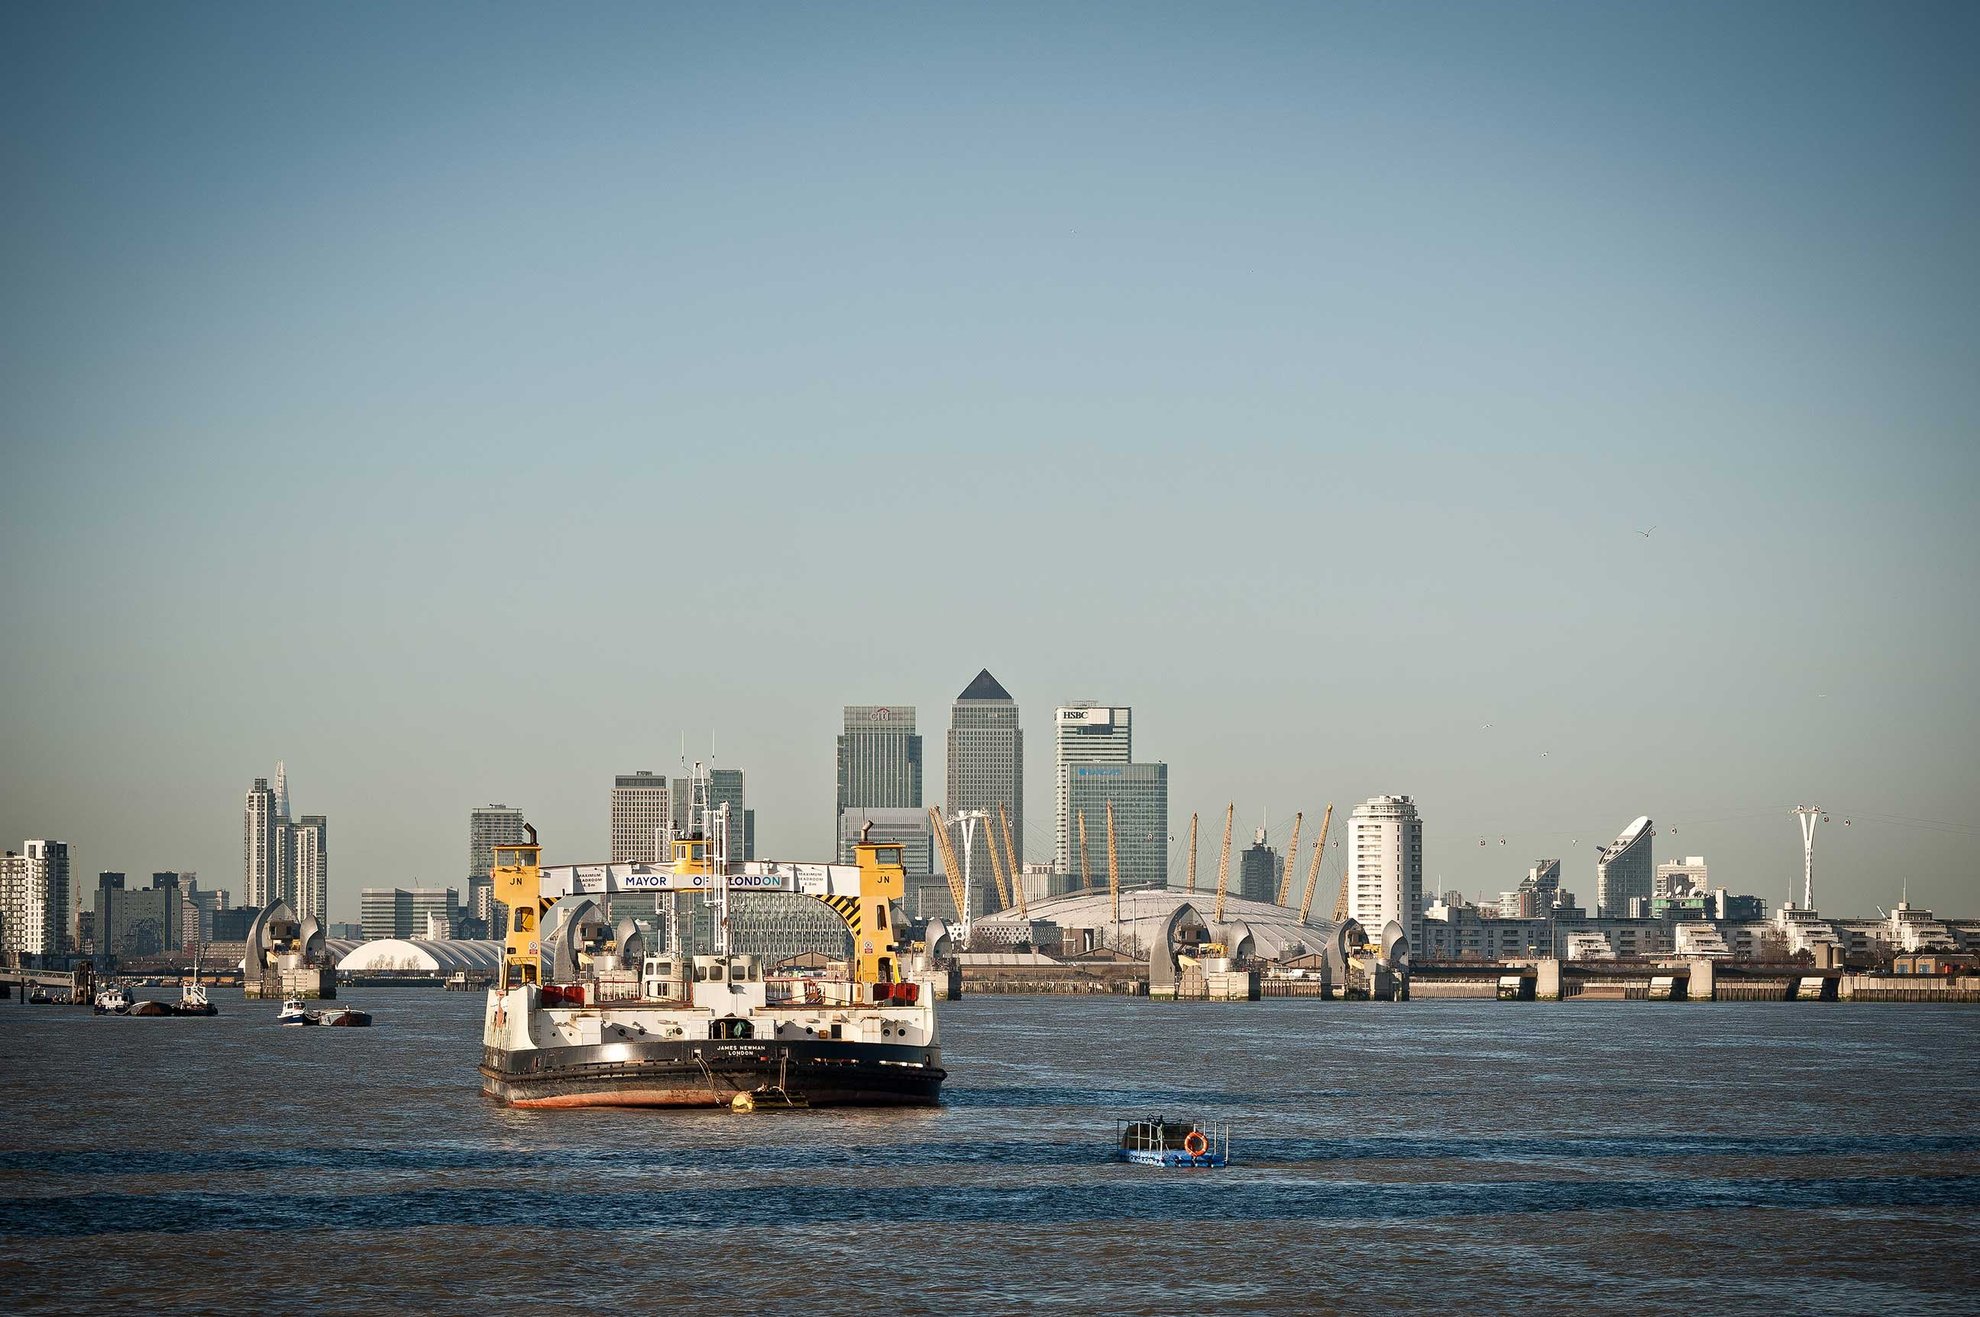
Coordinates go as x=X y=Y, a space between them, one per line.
x=518 y=883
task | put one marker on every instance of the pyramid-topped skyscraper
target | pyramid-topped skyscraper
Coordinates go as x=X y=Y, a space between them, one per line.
x=986 y=767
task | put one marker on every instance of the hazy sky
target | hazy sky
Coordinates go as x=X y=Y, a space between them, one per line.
x=460 y=402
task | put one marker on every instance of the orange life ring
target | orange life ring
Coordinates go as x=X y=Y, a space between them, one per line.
x=1195 y=1144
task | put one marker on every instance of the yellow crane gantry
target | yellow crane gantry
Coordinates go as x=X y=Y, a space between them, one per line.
x=996 y=865
x=1292 y=857
x=1313 y=870
x=1192 y=852
x=1011 y=859
x=1341 y=897
x=1224 y=864
x=951 y=866
x=1085 y=874
x=1113 y=872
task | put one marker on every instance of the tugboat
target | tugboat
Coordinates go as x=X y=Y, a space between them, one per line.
x=584 y=1016
x=1172 y=1143
x=192 y=994
x=113 y=1000
x=293 y=1013
x=193 y=1001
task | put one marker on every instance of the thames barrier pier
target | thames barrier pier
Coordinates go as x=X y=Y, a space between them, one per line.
x=1165 y=944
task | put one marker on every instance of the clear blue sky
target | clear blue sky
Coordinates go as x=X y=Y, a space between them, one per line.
x=460 y=401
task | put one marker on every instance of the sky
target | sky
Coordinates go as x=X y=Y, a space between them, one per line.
x=1554 y=412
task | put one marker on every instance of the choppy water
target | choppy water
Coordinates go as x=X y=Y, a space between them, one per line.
x=1613 y=1157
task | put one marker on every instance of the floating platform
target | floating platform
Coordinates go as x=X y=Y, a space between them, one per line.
x=1176 y=1144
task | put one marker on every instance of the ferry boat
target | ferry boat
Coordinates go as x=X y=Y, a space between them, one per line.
x=584 y=1015
x=1172 y=1143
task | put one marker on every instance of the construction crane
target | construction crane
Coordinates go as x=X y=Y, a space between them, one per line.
x=1313 y=870
x=1085 y=877
x=951 y=869
x=1224 y=864
x=1292 y=855
x=1192 y=853
x=1113 y=874
x=996 y=865
x=1011 y=859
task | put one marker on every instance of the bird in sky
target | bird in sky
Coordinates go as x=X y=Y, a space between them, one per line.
x=1646 y=533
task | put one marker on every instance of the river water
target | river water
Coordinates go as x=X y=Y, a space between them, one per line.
x=1615 y=1157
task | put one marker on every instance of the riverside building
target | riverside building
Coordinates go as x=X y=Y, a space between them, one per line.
x=906 y=828
x=879 y=766
x=725 y=787
x=24 y=907
x=1385 y=866
x=1259 y=870
x=261 y=850
x=408 y=912
x=1680 y=878
x=139 y=921
x=986 y=764
x=283 y=859
x=641 y=816
x=1139 y=794
x=490 y=826
x=202 y=905
x=1537 y=894
x=48 y=862
x=309 y=863
x=1083 y=733
x=1624 y=873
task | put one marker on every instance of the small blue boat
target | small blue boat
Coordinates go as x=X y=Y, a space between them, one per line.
x=1180 y=1143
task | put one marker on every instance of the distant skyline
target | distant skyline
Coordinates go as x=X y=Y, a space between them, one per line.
x=458 y=404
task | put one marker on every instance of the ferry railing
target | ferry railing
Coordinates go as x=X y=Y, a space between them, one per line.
x=793 y=990
x=1152 y=1136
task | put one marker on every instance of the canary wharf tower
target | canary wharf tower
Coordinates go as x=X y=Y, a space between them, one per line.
x=986 y=757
